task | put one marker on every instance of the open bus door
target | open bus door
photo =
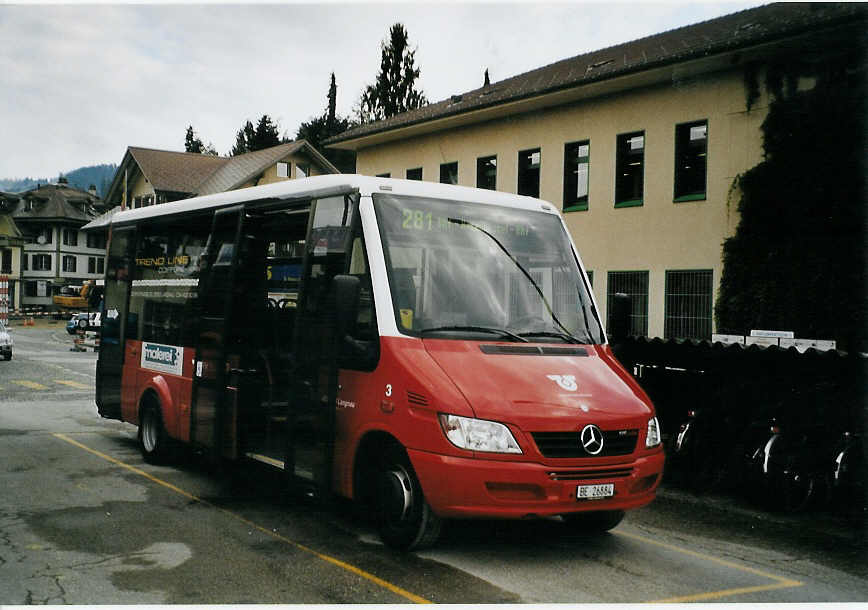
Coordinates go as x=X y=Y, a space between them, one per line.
x=311 y=416
x=109 y=367
x=214 y=412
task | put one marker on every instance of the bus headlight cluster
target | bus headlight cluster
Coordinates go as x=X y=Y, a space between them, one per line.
x=652 y=439
x=478 y=434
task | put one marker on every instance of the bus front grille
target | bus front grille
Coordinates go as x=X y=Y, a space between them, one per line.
x=569 y=444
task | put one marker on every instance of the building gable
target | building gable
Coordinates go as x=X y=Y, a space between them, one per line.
x=167 y=175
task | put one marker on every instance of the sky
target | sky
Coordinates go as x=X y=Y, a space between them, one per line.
x=79 y=83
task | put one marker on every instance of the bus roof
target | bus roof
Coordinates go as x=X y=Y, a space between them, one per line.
x=323 y=186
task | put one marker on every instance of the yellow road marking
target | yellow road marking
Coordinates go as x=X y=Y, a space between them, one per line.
x=30 y=384
x=73 y=384
x=336 y=562
x=712 y=595
x=779 y=581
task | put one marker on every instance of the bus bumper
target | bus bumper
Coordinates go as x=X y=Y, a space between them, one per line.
x=462 y=487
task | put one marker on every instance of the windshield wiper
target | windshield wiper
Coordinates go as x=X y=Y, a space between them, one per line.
x=476 y=329
x=567 y=338
x=461 y=221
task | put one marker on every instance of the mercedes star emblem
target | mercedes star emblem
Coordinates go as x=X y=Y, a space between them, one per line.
x=592 y=439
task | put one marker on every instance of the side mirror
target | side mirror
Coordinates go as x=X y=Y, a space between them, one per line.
x=619 y=327
x=346 y=290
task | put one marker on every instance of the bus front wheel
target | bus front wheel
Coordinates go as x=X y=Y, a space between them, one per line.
x=153 y=439
x=405 y=520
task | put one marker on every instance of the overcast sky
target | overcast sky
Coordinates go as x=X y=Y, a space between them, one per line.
x=80 y=83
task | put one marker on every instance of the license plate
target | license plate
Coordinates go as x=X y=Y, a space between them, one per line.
x=593 y=492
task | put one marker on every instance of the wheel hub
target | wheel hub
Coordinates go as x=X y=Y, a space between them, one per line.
x=398 y=494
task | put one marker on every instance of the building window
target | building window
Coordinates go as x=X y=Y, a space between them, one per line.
x=91 y=264
x=630 y=170
x=528 y=172
x=691 y=160
x=6 y=261
x=486 y=173
x=687 y=312
x=635 y=285
x=577 y=159
x=100 y=266
x=96 y=240
x=386 y=175
x=143 y=201
x=302 y=171
x=25 y=258
x=42 y=262
x=282 y=169
x=45 y=236
x=449 y=173
x=30 y=288
x=69 y=264
x=414 y=174
x=70 y=237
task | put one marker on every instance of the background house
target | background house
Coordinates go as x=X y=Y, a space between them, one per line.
x=56 y=253
x=11 y=247
x=147 y=176
x=639 y=144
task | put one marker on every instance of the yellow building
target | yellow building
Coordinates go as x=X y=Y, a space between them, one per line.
x=147 y=176
x=638 y=144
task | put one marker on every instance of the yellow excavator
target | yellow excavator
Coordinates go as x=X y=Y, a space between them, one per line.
x=71 y=300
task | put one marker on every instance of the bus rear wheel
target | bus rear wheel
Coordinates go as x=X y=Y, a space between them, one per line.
x=405 y=519
x=153 y=440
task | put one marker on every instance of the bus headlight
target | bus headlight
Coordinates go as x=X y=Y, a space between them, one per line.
x=478 y=434
x=652 y=438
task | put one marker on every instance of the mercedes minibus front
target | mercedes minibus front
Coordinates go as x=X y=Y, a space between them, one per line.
x=496 y=393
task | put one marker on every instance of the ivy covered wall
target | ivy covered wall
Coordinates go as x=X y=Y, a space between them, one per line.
x=797 y=260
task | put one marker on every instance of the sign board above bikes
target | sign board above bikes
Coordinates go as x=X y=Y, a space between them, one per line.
x=769 y=338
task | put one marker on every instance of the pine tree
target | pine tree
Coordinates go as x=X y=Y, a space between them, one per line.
x=394 y=91
x=318 y=129
x=241 y=139
x=266 y=134
x=333 y=101
x=193 y=144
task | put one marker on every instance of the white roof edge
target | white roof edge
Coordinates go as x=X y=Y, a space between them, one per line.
x=366 y=185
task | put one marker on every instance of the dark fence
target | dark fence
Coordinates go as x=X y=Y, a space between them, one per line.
x=814 y=395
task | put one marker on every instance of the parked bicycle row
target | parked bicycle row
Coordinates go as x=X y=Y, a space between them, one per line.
x=775 y=465
x=784 y=430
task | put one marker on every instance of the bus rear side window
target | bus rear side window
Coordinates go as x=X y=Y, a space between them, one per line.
x=166 y=282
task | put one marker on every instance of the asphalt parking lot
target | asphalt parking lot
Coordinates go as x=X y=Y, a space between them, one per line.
x=83 y=520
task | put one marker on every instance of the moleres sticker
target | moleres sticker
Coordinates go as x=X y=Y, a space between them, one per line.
x=163 y=358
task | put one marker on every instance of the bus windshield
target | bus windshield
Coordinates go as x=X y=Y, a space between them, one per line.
x=456 y=268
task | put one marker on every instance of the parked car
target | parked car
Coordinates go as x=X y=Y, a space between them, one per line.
x=83 y=321
x=5 y=341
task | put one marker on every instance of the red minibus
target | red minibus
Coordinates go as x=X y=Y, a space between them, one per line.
x=430 y=351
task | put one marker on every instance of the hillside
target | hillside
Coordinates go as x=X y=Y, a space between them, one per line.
x=81 y=178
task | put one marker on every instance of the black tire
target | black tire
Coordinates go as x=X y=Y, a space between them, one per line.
x=82 y=323
x=154 y=442
x=405 y=520
x=595 y=522
x=797 y=491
